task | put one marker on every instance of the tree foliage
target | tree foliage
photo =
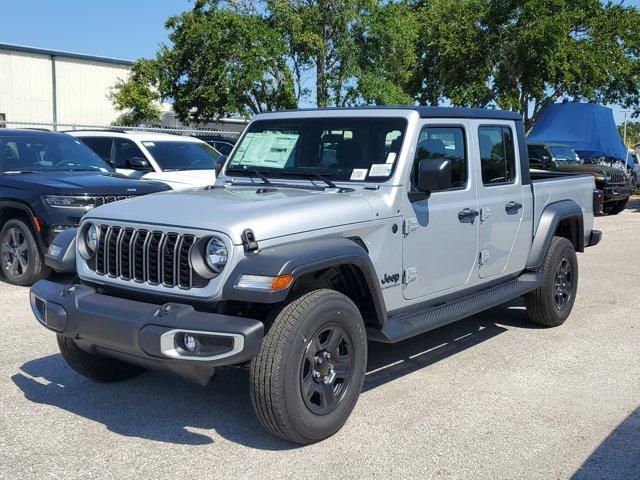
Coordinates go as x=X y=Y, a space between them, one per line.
x=633 y=133
x=136 y=96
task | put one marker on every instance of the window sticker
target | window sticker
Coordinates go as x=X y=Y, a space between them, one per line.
x=380 y=170
x=266 y=149
x=358 y=174
x=391 y=158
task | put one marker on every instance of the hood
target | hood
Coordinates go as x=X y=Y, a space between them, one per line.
x=232 y=209
x=91 y=183
x=586 y=168
x=184 y=178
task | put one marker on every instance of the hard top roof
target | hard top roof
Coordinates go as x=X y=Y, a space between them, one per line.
x=431 y=112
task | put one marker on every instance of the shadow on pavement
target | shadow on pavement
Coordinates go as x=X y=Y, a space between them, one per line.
x=618 y=456
x=156 y=407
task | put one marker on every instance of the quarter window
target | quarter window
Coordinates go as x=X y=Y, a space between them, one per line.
x=100 y=145
x=446 y=143
x=497 y=155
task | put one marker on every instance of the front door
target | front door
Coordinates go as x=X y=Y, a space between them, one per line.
x=500 y=196
x=441 y=232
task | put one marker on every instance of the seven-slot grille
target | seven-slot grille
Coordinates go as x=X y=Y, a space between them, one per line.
x=146 y=256
x=618 y=177
x=97 y=201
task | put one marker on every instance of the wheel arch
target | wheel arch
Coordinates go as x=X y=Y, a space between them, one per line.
x=339 y=263
x=564 y=219
x=14 y=209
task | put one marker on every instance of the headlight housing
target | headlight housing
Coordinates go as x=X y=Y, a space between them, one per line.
x=216 y=255
x=91 y=237
x=607 y=176
x=80 y=202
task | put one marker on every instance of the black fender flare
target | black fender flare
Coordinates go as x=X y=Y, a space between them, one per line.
x=550 y=218
x=17 y=205
x=299 y=258
x=63 y=260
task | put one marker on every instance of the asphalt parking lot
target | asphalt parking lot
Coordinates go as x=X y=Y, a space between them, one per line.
x=489 y=397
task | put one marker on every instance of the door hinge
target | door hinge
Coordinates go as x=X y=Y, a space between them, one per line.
x=485 y=212
x=409 y=225
x=409 y=275
x=485 y=255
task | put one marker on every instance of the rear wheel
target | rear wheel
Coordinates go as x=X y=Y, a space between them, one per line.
x=614 y=208
x=22 y=262
x=309 y=373
x=552 y=302
x=95 y=367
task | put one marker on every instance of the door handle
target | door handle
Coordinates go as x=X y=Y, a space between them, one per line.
x=512 y=207
x=467 y=214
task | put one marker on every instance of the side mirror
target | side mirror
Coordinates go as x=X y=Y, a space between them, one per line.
x=220 y=161
x=433 y=174
x=138 y=163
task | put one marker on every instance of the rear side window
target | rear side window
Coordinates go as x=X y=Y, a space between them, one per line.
x=497 y=155
x=447 y=143
x=100 y=145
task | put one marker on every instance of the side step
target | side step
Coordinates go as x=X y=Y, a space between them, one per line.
x=407 y=325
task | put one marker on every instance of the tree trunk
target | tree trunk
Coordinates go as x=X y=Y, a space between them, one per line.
x=321 y=81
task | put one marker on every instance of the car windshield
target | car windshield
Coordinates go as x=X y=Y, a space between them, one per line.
x=47 y=152
x=339 y=149
x=181 y=155
x=563 y=153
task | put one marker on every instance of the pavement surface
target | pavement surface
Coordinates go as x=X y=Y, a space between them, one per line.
x=492 y=396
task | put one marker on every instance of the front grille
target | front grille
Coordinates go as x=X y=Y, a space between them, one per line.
x=98 y=201
x=618 y=177
x=145 y=256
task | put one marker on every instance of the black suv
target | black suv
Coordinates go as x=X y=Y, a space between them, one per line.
x=48 y=181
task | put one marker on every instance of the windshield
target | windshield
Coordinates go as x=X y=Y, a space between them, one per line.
x=183 y=155
x=564 y=154
x=46 y=153
x=341 y=149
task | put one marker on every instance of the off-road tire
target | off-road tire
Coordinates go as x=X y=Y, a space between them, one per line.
x=95 y=367
x=278 y=370
x=36 y=268
x=541 y=302
x=614 y=208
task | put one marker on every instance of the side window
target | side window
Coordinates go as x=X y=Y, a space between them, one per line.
x=497 y=155
x=536 y=156
x=125 y=150
x=447 y=143
x=100 y=145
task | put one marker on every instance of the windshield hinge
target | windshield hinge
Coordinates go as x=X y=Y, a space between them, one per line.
x=249 y=240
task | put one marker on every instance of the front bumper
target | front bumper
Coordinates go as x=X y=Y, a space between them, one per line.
x=142 y=333
x=615 y=193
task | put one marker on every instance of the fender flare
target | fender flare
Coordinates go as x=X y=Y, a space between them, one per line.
x=299 y=258
x=18 y=205
x=550 y=218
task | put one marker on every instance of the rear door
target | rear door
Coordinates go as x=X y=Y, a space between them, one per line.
x=500 y=194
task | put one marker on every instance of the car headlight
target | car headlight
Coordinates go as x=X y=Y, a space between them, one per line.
x=69 y=201
x=607 y=176
x=216 y=255
x=91 y=238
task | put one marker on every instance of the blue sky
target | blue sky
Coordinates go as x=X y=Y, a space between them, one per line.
x=115 y=28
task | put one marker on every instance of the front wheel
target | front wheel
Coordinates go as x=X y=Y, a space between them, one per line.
x=309 y=373
x=22 y=262
x=551 y=303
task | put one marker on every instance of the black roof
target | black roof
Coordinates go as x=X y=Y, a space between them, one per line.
x=434 y=112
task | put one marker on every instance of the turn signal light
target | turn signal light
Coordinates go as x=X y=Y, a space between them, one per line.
x=281 y=282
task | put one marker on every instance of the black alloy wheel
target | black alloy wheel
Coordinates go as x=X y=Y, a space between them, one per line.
x=15 y=252
x=563 y=283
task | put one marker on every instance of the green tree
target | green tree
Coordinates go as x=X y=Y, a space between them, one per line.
x=524 y=54
x=633 y=133
x=136 y=97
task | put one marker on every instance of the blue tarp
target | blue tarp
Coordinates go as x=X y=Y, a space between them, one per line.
x=587 y=127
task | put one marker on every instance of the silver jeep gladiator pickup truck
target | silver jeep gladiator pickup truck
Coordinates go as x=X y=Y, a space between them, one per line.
x=325 y=229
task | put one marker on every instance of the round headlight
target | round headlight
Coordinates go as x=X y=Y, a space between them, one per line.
x=91 y=238
x=216 y=255
x=607 y=176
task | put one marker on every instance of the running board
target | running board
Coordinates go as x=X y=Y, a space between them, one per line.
x=407 y=325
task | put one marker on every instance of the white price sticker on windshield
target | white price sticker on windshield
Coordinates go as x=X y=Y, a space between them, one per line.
x=391 y=158
x=358 y=174
x=380 y=170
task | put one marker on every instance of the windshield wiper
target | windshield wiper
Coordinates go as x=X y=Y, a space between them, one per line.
x=320 y=176
x=253 y=171
x=20 y=171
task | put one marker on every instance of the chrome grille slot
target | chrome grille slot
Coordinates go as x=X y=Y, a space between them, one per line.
x=153 y=257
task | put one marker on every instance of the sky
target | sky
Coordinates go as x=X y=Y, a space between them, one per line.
x=121 y=29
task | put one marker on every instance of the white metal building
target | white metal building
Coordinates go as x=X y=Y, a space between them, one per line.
x=47 y=86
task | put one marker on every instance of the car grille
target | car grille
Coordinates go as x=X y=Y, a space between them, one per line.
x=145 y=256
x=617 y=177
x=98 y=201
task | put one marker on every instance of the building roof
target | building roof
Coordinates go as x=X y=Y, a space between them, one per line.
x=60 y=53
x=435 y=112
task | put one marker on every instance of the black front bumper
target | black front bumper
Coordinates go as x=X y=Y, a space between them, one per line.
x=143 y=333
x=617 y=192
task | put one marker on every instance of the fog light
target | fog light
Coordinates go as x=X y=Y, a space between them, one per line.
x=190 y=343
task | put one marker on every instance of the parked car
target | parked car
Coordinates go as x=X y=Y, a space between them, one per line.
x=418 y=217
x=558 y=157
x=179 y=161
x=48 y=181
x=634 y=168
x=222 y=144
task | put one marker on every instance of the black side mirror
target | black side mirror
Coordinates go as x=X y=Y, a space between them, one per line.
x=219 y=164
x=138 y=163
x=433 y=174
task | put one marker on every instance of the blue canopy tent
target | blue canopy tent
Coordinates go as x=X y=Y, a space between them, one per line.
x=587 y=127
